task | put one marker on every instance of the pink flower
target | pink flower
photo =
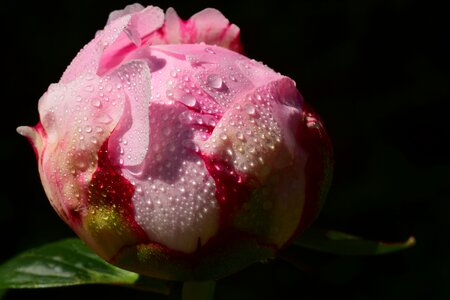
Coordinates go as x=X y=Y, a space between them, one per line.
x=172 y=155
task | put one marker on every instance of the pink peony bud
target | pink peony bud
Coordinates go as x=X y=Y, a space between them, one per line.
x=172 y=155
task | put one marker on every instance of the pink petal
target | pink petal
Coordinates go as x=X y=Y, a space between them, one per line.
x=208 y=26
x=128 y=144
x=87 y=60
x=137 y=31
x=129 y=9
x=76 y=118
x=211 y=27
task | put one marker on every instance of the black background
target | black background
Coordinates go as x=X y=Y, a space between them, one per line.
x=376 y=71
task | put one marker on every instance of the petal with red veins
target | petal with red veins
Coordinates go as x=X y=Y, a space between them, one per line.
x=174 y=199
x=255 y=130
x=77 y=118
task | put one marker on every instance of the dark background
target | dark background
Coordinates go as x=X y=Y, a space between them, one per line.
x=376 y=71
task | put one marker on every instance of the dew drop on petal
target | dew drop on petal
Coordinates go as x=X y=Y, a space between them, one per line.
x=209 y=50
x=189 y=144
x=210 y=121
x=250 y=109
x=167 y=131
x=188 y=100
x=104 y=119
x=229 y=151
x=96 y=102
x=214 y=81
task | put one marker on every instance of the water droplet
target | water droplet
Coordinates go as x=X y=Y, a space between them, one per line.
x=261 y=160
x=104 y=119
x=98 y=129
x=189 y=144
x=96 y=102
x=232 y=78
x=80 y=164
x=214 y=81
x=240 y=135
x=250 y=109
x=199 y=120
x=173 y=73
x=209 y=50
x=89 y=88
x=188 y=100
x=167 y=131
x=169 y=93
x=210 y=121
x=223 y=137
x=186 y=117
x=156 y=147
x=88 y=129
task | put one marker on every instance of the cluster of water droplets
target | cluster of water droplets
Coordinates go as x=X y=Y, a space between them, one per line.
x=198 y=110
x=247 y=133
x=129 y=142
x=77 y=118
x=89 y=117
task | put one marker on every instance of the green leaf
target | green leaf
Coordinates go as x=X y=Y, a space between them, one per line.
x=66 y=262
x=335 y=242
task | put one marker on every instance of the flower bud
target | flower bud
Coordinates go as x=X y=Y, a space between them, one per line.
x=172 y=155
